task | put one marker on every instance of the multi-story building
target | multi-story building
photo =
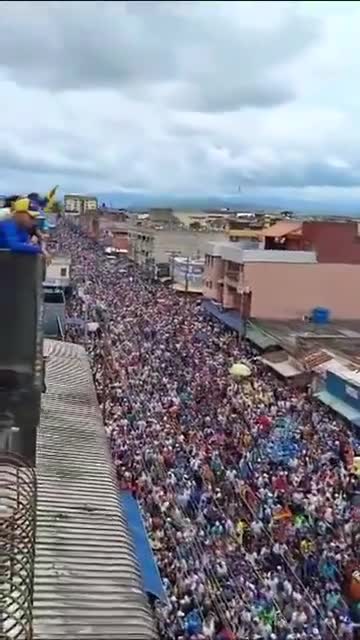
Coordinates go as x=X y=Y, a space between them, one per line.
x=58 y=272
x=334 y=241
x=76 y=204
x=158 y=246
x=281 y=285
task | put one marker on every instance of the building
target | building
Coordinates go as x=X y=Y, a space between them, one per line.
x=162 y=216
x=334 y=241
x=187 y=274
x=246 y=227
x=76 y=204
x=158 y=246
x=340 y=390
x=282 y=285
x=58 y=272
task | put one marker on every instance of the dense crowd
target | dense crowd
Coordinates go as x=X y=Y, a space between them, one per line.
x=248 y=546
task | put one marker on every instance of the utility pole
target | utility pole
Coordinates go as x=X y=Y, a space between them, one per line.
x=172 y=256
x=187 y=275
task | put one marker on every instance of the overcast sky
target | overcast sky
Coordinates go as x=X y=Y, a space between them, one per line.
x=180 y=96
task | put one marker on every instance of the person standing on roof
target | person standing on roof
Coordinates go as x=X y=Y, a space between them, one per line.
x=16 y=231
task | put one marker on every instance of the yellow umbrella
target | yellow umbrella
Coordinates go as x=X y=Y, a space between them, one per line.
x=356 y=466
x=240 y=370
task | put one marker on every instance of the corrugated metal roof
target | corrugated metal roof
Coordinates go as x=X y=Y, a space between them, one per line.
x=260 y=338
x=284 y=368
x=283 y=228
x=87 y=582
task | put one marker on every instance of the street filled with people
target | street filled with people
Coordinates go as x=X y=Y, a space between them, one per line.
x=245 y=484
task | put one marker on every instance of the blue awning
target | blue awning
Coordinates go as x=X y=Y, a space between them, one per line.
x=230 y=318
x=148 y=567
x=339 y=406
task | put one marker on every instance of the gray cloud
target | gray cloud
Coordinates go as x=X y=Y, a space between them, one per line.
x=220 y=62
x=175 y=96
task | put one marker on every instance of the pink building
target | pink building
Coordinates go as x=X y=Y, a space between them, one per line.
x=279 y=285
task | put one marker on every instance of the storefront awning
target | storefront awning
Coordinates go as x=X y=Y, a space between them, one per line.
x=230 y=319
x=147 y=563
x=340 y=407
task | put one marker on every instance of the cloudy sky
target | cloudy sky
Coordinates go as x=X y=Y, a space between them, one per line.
x=181 y=96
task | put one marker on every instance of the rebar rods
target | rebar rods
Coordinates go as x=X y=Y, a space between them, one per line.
x=17 y=546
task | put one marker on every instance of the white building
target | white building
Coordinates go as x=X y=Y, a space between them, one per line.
x=75 y=204
x=58 y=272
x=188 y=274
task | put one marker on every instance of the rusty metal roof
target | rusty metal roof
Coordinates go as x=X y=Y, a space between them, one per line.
x=87 y=582
x=283 y=228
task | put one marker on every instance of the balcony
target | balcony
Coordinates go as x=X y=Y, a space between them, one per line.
x=21 y=356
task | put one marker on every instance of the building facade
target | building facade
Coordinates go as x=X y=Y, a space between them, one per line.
x=160 y=245
x=281 y=285
x=58 y=272
x=334 y=241
x=76 y=204
x=187 y=274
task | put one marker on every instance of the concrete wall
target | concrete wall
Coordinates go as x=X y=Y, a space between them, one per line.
x=213 y=273
x=189 y=243
x=290 y=291
x=333 y=241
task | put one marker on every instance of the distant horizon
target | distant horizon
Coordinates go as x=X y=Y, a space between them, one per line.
x=297 y=205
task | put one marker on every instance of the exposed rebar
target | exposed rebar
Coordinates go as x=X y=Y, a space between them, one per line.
x=17 y=546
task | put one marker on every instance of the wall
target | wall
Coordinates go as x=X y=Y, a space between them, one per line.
x=344 y=390
x=213 y=272
x=190 y=243
x=188 y=273
x=54 y=273
x=21 y=349
x=333 y=241
x=120 y=241
x=285 y=291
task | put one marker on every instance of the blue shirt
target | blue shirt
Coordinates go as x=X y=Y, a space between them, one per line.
x=16 y=238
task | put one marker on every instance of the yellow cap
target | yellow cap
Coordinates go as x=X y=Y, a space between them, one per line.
x=22 y=205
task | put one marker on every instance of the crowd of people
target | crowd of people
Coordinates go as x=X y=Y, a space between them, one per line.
x=249 y=546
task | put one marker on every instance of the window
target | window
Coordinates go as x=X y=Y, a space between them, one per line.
x=63 y=272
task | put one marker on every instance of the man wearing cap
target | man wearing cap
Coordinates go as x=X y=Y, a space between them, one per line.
x=16 y=231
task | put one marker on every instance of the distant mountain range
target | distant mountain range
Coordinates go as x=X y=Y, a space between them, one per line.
x=196 y=202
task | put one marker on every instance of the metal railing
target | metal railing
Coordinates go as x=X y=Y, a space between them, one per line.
x=17 y=546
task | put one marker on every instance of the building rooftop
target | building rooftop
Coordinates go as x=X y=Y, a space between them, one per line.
x=87 y=582
x=283 y=228
x=60 y=259
x=341 y=338
x=80 y=195
x=229 y=251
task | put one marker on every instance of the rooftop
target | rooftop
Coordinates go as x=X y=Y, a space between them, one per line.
x=59 y=259
x=229 y=251
x=80 y=195
x=341 y=338
x=283 y=228
x=87 y=584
